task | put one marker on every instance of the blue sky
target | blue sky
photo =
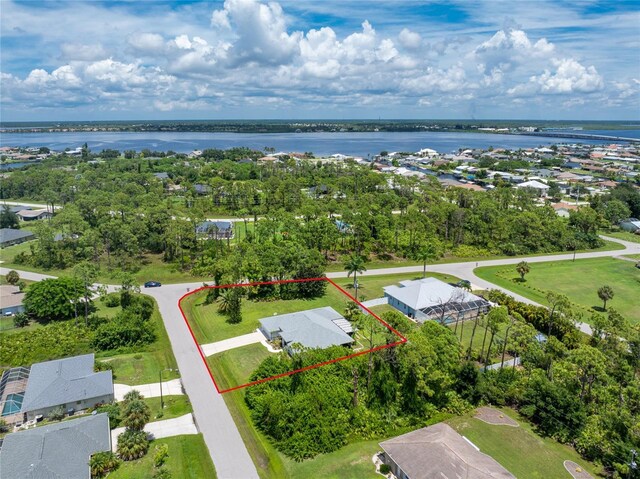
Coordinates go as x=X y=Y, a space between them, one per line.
x=73 y=60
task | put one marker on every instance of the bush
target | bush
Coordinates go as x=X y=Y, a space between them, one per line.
x=113 y=411
x=50 y=342
x=102 y=463
x=111 y=300
x=20 y=320
x=162 y=473
x=161 y=455
x=385 y=468
x=57 y=414
x=4 y=427
x=12 y=277
x=123 y=331
x=132 y=445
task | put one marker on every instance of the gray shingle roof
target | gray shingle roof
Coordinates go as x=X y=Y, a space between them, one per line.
x=214 y=226
x=55 y=451
x=315 y=328
x=8 y=234
x=439 y=451
x=62 y=381
x=426 y=292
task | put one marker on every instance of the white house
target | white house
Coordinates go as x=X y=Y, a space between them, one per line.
x=540 y=188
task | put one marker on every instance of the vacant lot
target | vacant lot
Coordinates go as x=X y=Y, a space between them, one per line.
x=234 y=367
x=579 y=280
x=519 y=449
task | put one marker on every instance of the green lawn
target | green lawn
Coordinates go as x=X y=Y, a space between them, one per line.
x=624 y=235
x=234 y=367
x=143 y=367
x=353 y=461
x=174 y=406
x=188 y=459
x=464 y=332
x=210 y=326
x=579 y=280
x=519 y=449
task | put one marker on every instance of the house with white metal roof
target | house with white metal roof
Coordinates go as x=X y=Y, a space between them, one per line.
x=430 y=298
x=314 y=328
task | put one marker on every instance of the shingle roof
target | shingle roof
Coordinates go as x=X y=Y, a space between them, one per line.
x=213 y=226
x=55 y=451
x=427 y=292
x=62 y=381
x=8 y=234
x=315 y=328
x=10 y=296
x=439 y=451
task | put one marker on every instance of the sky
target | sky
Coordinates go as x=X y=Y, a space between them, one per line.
x=303 y=59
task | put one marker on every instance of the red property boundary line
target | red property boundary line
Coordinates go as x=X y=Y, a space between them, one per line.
x=401 y=339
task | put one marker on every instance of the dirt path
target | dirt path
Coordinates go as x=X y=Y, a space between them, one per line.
x=494 y=416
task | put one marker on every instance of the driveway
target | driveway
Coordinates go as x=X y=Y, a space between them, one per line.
x=169 y=388
x=157 y=430
x=232 y=343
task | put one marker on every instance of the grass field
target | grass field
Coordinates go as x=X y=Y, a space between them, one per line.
x=350 y=462
x=624 y=235
x=188 y=459
x=579 y=280
x=210 y=326
x=234 y=367
x=174 y=406
x=519 y=449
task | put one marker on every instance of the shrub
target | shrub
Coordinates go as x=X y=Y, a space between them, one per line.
x=135 y=414
x=385 y=468
x=57 y=414
x=4 y=427
x=123 y=331
x=113 y=411
x=162 y=473
x=111 y=300
x=20 y=320
x=102 y=463
x=132 y=445
x=12 y=277
x=161 y=455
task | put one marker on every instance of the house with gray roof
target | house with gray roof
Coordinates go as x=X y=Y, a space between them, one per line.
x=11 y=299
x=430 y=298
x=439 y=451
x=216 y=229
x=54 y=451
x=314 y=328
x=9 y=237
x=69 y=383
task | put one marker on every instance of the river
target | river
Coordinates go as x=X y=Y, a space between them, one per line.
x=323 y=143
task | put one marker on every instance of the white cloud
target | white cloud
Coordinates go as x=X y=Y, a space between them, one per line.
x=73 y=51
x=409 y=39
x=569 y=77
x=151 y=43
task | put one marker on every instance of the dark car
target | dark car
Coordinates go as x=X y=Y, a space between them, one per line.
x=152 y=284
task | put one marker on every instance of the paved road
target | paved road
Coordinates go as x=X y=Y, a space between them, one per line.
x=27 y=275
x=226 y=447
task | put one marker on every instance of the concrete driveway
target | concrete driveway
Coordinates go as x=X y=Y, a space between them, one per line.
x=157 y=430
x=169 y=388
x=232 y=343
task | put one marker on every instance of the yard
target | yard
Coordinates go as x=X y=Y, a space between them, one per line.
x=624 y=235
x=235 y=366
x=579 y=280
x=174 y=406
x=210 y=326
x=519 y=449
x=188 y=459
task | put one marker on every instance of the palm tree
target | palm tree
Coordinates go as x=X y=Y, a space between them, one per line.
x=522 y=268
x=102 y=463
x=355 y=265
x=605 y=293
x=132 y=445
x=224 y=301
x=135 y=415
x=425 y=254
x=351 y=311
x=131 y=396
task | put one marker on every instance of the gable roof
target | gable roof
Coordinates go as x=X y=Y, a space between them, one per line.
x=214 y=226
x=62 y=381
x=315 y=328
x=55 y=451
x=533 y=184
x=439 y=451
x=8 y=234
x=427 y=292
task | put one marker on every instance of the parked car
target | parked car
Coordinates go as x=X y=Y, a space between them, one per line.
x=152 y=284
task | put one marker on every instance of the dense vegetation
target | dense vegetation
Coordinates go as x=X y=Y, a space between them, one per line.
x=116 y=213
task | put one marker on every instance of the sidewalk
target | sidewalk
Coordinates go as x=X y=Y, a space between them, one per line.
x=169 y=388
x=159 y=429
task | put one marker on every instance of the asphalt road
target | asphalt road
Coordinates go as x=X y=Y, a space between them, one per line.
x=226 y=447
